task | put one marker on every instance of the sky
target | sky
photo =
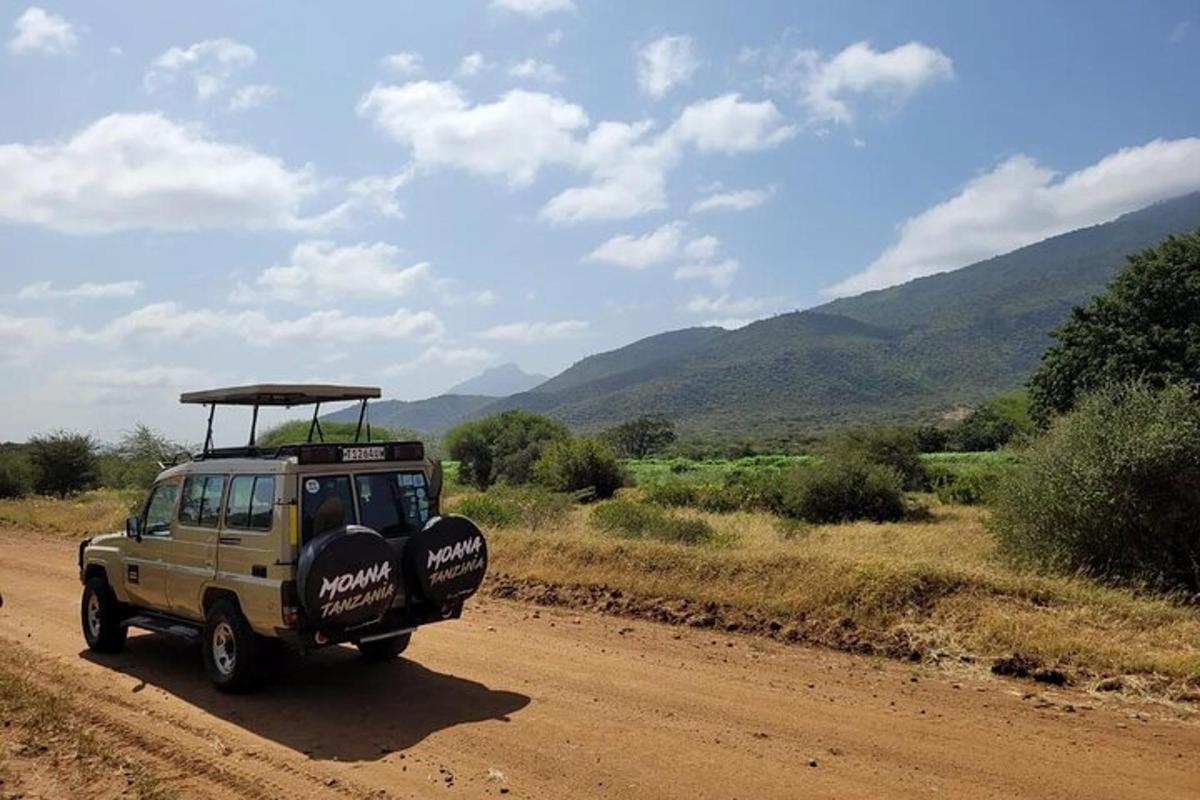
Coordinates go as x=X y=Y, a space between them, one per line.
x=403 y=194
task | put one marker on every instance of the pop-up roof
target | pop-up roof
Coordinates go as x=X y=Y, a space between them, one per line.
x=281 y=394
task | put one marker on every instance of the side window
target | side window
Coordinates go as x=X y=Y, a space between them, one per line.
x=159 y=508
x=201 y=503
x=251 y=504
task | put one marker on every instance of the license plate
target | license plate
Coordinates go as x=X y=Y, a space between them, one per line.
x=364 y=454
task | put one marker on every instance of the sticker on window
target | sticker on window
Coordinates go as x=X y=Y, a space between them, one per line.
x=312 y=486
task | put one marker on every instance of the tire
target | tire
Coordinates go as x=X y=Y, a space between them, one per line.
x=100 y=614
x=231 y=649
x=385 y=649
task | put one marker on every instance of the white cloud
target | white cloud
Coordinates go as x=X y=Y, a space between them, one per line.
x=1180 y=31
x=728 y=124
x=39 y=31
x=25 y=339
x=720 y=273
x=210 y=64
x=379 y=192
x=702 y=249
x=44 y=290
x=319 y=271
x=148 y=377
x=403 y=63
x=514 y=137
x=471 y=64
x=128 y=171
x=534 y=8
x=665 y=63
x=737 y=200
x=639 y=252
x=825 y=86
x=1021 y=202
x=554 y=38
x=536 y=70
x=528 y=332
x=251 y=96
x=452 y=357
x=724 y=304
x=170 y=321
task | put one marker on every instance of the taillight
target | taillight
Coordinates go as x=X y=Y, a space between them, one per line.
x=290 y=604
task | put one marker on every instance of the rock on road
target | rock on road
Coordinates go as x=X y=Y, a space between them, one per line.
x=537 y=703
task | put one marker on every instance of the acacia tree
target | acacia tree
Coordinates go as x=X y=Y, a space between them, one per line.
x=502 y=447
x=1144 y=327
x=64 y=463
x=641 y=437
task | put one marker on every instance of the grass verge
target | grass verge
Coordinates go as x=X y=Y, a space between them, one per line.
x=98 y=511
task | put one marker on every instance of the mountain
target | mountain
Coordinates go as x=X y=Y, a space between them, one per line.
x=431 y=416
x=498 y=381
x=905 y=352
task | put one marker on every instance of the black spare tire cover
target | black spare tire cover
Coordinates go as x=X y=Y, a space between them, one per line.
x=346 y=577
x=447 y=559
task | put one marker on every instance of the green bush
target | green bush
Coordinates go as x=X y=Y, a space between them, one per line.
x=296 y=432
x=1113 y=490
x=64 y=463
x=579 y=465
x=964 y=487
x=844 y=489
x=531 y=507
x=501 y=448
x=16 y=473
x=645 y=521
x=890 y=447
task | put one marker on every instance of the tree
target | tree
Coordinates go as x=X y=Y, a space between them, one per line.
x=502 y=447
x=984 y=429
x=138 y=458
x=641 y=437
x=1145 y=327
x=64 y=463
x=573 y=465
x=889 y=447
x=16 y=473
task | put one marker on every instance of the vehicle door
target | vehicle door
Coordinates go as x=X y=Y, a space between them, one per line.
x=249 y=546
x=193 y=559
x=145 y=558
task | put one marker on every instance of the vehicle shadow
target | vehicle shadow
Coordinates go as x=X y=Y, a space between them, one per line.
x=330 y=704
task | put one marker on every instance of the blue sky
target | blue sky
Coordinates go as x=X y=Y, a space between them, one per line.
x=404 y=194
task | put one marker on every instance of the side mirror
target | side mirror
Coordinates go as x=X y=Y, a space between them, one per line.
x=435 y=481
x=133 y=527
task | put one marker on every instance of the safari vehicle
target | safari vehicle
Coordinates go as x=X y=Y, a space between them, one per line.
x=308 y=545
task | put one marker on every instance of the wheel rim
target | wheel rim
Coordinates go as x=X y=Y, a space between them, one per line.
x=93 y=615
x=224 y=650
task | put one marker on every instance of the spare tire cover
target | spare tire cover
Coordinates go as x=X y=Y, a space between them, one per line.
x=346 y=577
x=447 y=559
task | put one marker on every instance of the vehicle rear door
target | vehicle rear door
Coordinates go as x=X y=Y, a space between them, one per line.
x=248 y=547
x=193 y=560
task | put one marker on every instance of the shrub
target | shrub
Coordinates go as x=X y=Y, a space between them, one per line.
x=1113 y=490
x=844 y=489
x=64 y=463
x=644 y=521
x=136 y=460
x=984 y=429
x=641 y=437
x=296 y=432
x=501 y=448
x=965 y=487
x=576 y=465
x=16 y=473
x=530 y=507
x=890 y=447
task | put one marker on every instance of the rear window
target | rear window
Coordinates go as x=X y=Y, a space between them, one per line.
x=328 y=504
x=393 y=503
x=251 y=504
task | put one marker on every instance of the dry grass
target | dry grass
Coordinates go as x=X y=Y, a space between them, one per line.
x=99 y=511
x=937 y=582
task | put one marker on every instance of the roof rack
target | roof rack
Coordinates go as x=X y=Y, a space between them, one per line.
x=282 y=394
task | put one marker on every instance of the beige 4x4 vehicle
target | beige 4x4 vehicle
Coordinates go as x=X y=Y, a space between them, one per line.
x=307 y=545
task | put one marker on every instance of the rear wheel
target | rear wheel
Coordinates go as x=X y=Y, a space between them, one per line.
x=230 y=649
x=385 y=649
x=101 y=616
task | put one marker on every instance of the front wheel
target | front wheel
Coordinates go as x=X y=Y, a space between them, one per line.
x=101 y=616
x=230 y=649
x=385 y=649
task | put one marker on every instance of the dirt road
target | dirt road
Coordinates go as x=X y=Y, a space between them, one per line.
x=547 y=704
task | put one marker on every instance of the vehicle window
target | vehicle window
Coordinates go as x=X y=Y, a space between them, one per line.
x=251 y=503
x=159 y=508
x=393 y=503
x=327 y=505
x=201 y=503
